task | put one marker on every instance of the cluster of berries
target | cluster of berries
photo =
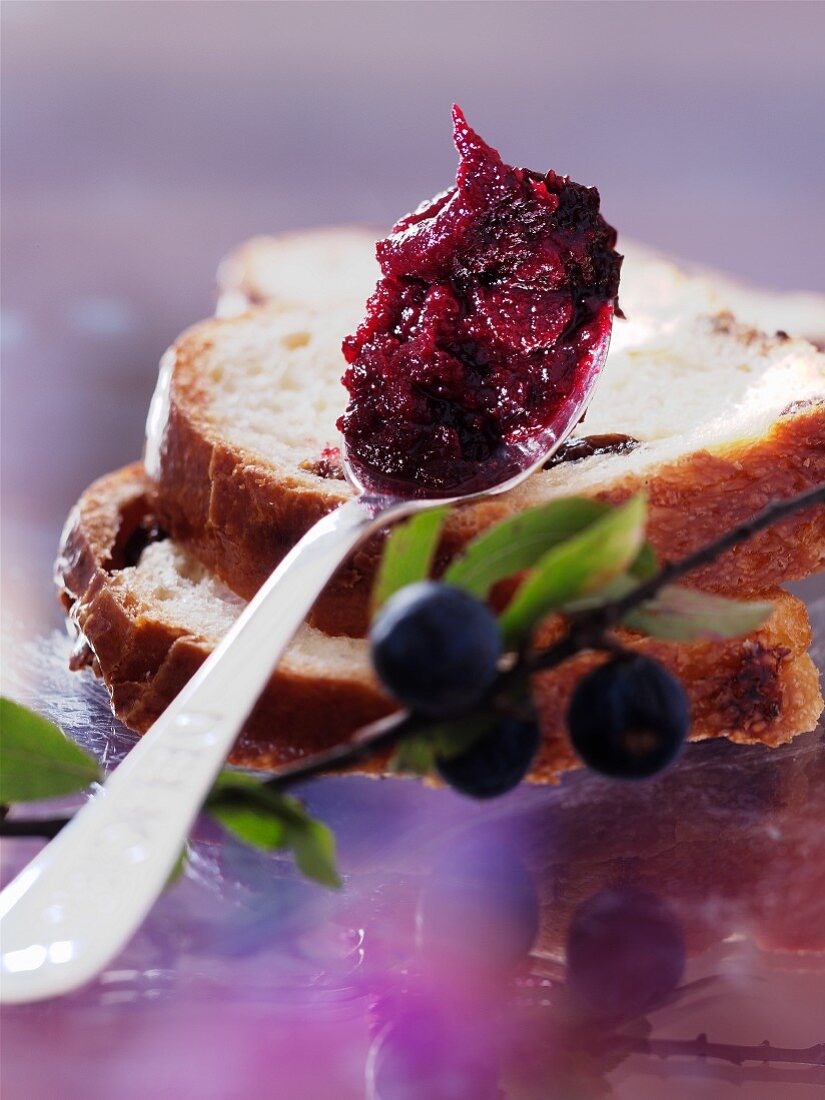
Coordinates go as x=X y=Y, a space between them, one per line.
x=437 y=650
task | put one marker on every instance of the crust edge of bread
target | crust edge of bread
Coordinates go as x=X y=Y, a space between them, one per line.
x=761 y=689
x=240 y=515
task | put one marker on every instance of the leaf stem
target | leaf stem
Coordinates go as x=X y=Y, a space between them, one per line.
x=701 y=1047
x=370 y=741
x=47 y=827
x=587 y=631
x=773 y=513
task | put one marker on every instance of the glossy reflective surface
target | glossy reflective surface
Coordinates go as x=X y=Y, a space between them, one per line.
x=577 y=937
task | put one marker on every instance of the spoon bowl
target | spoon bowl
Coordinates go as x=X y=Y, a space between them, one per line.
x=508 y=466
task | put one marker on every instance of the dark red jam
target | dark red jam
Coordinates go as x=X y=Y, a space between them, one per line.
x=490 y=320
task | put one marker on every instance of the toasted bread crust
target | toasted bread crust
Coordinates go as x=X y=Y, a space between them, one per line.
x=145 y=663
x=763 y=688
x=240 y=515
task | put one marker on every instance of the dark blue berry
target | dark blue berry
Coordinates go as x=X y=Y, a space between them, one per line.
x=629 y=718
x=436 y=648
x=478 y=913
x=496 y=762
x=625 y=952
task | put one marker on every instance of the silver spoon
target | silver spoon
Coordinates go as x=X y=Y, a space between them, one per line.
x=80 y=900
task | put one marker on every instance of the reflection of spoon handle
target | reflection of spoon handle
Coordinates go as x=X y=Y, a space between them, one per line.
x=82 y=898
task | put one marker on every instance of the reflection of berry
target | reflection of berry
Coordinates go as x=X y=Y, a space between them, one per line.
x=436 y=648
x=495 y=763
x=423 y=1055
x=628 y=718
x=478 y=914
x=625 y=951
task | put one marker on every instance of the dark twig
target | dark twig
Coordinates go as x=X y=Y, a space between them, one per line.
x=47 y=827
x=372 y=740
x=700 y=1047
x=586 y=631
x=613 y=612
x=805 y=1065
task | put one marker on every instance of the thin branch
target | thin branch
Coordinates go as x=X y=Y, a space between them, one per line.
x=47 y=827
x=580 y=636
x=700 y=1047
x=370 y=741
x=587 y=630
x=780 y=509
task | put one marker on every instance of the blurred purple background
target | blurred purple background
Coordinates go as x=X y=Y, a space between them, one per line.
x=142 y=140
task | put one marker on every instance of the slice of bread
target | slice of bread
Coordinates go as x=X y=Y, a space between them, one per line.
x=325 y=267
x=148 y=614
x=727 y=418
x=336 y=265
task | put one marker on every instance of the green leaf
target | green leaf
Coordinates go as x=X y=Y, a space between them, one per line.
x=228 y=779
x=268 y=819
x=519 y=542
x=37 y=760
x=577 y=567
x=408 y=554
x=684 y=615
x=417 y=755
x=646 y=563
x=414 y=756
x=314 y=847
x=643 y=567
x=251 y=824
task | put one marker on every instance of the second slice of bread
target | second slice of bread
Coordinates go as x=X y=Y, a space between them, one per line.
x=726 y=418
x=336 y=265
x=148 y=615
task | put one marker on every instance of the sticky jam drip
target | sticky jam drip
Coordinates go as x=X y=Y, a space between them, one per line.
x=495 y=304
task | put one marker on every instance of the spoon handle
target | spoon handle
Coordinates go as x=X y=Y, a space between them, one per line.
x=75 y=905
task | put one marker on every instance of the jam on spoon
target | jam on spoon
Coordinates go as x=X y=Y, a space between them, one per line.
x=486 y=331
